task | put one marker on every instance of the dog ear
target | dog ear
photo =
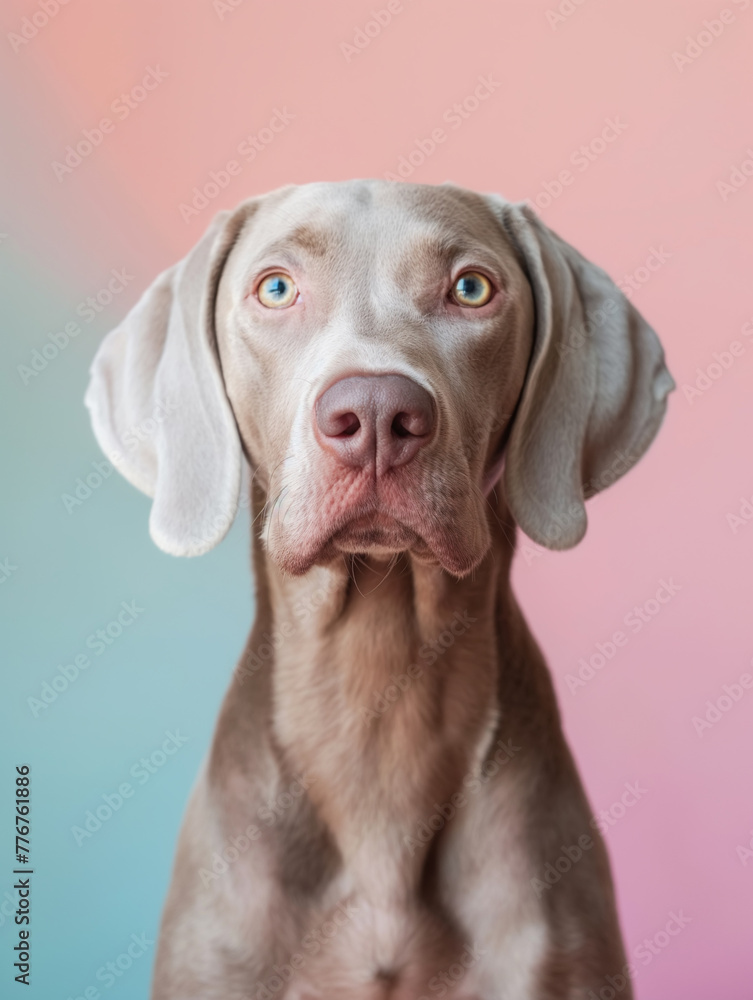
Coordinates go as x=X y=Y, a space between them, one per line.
x=595 y=391
x=157 y=399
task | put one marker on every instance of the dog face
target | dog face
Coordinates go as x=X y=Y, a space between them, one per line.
x=377 y=350
x=352 y=320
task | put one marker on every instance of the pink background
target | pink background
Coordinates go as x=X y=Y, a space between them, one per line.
x=654 y=186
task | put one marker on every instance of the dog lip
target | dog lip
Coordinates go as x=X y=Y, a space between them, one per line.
x=380 y=533
x=400 y=512
x=436 y=546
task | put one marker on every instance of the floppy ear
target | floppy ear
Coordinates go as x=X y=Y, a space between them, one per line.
x=595 y=392
x=157 y=399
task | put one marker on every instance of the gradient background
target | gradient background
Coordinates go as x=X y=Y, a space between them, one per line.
x=654 y=186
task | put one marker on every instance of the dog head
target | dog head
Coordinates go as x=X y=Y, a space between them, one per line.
x=381 y=353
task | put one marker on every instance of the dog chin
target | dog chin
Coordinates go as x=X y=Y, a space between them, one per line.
x=375 y=534
x=381 y=537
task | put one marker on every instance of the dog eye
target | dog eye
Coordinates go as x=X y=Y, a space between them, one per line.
x=277 y=291
x=472 y=289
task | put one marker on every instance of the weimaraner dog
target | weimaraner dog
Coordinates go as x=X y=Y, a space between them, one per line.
x=389 y=808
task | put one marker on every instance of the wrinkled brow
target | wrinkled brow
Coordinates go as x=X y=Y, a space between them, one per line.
x=438 y=254
x=305 y=238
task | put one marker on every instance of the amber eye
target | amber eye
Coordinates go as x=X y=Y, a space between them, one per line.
x=277 y=291
x=472 y=289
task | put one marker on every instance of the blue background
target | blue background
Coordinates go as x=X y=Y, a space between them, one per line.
x=166 y=672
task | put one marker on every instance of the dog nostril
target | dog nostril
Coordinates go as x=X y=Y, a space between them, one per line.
x=408 y=424
x=387 y=977
x=348 y=425
x=401 y=425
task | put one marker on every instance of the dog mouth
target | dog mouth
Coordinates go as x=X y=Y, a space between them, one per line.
x=381 y=536
x=380 y=532
x=430 y=512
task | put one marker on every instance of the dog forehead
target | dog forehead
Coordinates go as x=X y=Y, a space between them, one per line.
x=322 y=220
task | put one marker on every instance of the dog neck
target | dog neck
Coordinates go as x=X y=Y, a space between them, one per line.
x=383 y=693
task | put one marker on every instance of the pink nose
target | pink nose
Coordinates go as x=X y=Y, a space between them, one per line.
x=382 y=420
